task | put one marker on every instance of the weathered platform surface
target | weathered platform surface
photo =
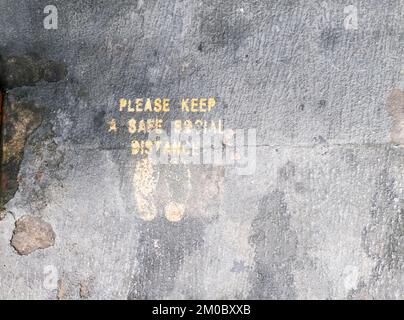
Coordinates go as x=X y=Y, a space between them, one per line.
x=321 y=217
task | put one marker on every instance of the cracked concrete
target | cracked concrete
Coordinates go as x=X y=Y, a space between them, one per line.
x=321 y=217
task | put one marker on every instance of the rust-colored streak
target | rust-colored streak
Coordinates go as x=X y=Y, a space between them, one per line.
x=19 y=121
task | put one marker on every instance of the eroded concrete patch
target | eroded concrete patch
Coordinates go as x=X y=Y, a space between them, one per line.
x=20 y=120
x=31 y=234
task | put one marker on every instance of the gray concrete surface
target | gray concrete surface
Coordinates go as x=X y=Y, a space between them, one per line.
x=321 y=217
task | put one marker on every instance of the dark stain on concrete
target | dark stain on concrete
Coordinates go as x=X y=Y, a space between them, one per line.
x=322 y=104
x=275 y=249
x=301 y=188
x=383 y=240
x=330 y=38
x=379 y=238
x=200 y=47
x=320 y=140
x=99 y=120
x=287 y=172
x=220 y=28
x=19 y=71
x=349 y=156
x=162 y=249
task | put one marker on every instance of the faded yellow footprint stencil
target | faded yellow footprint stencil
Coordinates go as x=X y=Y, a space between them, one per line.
x=174 y=211
x=145 y=182
x=175 y=181
x=149 y=196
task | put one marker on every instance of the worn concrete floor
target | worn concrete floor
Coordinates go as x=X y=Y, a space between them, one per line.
x=321 y=217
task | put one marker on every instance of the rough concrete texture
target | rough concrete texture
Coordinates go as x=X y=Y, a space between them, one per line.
x=321 y=217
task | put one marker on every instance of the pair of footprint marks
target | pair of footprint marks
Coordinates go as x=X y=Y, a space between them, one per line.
x=152 y=187
x=169 y=189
